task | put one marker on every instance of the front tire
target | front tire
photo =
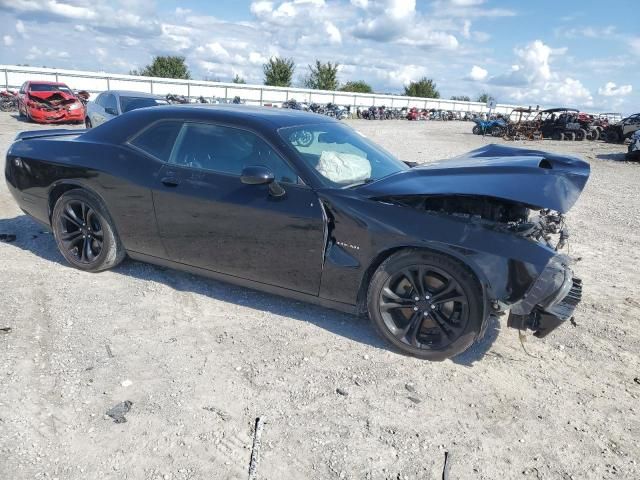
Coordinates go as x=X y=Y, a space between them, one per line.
x=85 y=233
x=476 y=130
x=425 y=304
x=87 y=123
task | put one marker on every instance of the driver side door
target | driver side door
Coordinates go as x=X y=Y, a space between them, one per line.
x=208 y=218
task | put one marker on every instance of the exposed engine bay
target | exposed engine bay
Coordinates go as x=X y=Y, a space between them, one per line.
x=544 y=225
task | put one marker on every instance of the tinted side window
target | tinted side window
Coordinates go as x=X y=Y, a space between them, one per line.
x=109 y=102
x=158 y=139
x=227 y=150
x=98 y=99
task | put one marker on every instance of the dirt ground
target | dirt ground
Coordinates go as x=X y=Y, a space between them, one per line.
x=201 y=360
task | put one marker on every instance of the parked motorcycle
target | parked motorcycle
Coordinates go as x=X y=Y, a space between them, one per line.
x=179 y=99
x=8 y=101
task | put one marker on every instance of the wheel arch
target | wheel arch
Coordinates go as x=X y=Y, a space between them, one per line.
x=383 y=255
x=60 y=188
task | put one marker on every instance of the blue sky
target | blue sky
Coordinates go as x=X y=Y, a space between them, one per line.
x=575 y=53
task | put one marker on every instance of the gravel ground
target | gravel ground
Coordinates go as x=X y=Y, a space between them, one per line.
x=201 y=360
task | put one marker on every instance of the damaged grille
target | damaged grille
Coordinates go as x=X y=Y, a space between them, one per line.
x=565 y=308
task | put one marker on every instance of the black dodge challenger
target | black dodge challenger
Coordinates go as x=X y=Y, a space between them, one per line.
x=303 y=206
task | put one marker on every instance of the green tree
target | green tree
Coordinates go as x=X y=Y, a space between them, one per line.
x=322 y=76
x=278 y=71
x=461 y=98
x=238 y=79
x=165 y=67
x=484 y=97
x=359 y=86
x=425 y=87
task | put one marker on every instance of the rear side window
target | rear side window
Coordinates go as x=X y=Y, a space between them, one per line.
x=109 y=102
x=158 y=139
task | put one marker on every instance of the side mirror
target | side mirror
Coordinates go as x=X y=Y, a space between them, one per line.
x=261 y=175
x=111 y=111
x=256 y=175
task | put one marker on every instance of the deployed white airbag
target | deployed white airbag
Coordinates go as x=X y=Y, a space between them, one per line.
x=343 y=167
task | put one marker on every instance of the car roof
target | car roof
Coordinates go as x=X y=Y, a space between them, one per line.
x=132 y=93
x=237 y=113
x=560 y=109
x=262 y=119
x=44 y=82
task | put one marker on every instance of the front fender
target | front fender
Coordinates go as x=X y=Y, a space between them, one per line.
x=366 y=231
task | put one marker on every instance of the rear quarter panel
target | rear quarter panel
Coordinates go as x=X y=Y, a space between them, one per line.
x=38 y=169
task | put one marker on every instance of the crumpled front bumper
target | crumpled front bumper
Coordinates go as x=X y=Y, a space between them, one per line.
x=59 y=115
x=550 y=301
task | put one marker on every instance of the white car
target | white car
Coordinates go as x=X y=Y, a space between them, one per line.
x=634 y=147
x=112 y=103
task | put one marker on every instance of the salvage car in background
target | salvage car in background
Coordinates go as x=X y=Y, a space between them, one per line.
x=622 y=130
x=112 y=103
x=49 y=102
x=633 y=153
x=303 y=206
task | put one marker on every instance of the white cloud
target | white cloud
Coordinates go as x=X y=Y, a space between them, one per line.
x=20 y=27
x=257 y=59
x=400 y=9
x=531 y=79
x=360 y=3
x=214 y=49
x=634 y=43
x=403 y=75
x=334 y=34
x=466 y=3
x=612 y=90
x=478 y=73
x=7 y=40
x=466 y=29
x=260 y=8
x=535 y=60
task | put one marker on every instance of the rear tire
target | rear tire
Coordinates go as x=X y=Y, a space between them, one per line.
x=85 y=233
x=444 y=321
x=581 y=135
x=612 y=136
x=477 y=130
x=87 y=123
x=571 y=136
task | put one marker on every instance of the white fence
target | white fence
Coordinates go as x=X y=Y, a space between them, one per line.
x=14 y=76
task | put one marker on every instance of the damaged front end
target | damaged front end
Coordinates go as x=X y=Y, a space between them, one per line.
x=550 y=301
x=56 y=107
x=555 y=293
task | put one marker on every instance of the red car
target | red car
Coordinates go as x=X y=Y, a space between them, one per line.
x=49 y=102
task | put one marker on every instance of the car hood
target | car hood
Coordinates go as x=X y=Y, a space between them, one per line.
x=535 y=178
x=53 y=96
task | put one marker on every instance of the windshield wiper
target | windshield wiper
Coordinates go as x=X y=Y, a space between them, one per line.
x=357 y=184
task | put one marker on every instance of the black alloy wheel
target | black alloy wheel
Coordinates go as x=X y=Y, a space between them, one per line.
x=85 y=233
x=81 y=232
x=426 y=304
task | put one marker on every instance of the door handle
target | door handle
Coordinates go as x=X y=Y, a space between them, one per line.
x=170 y=181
